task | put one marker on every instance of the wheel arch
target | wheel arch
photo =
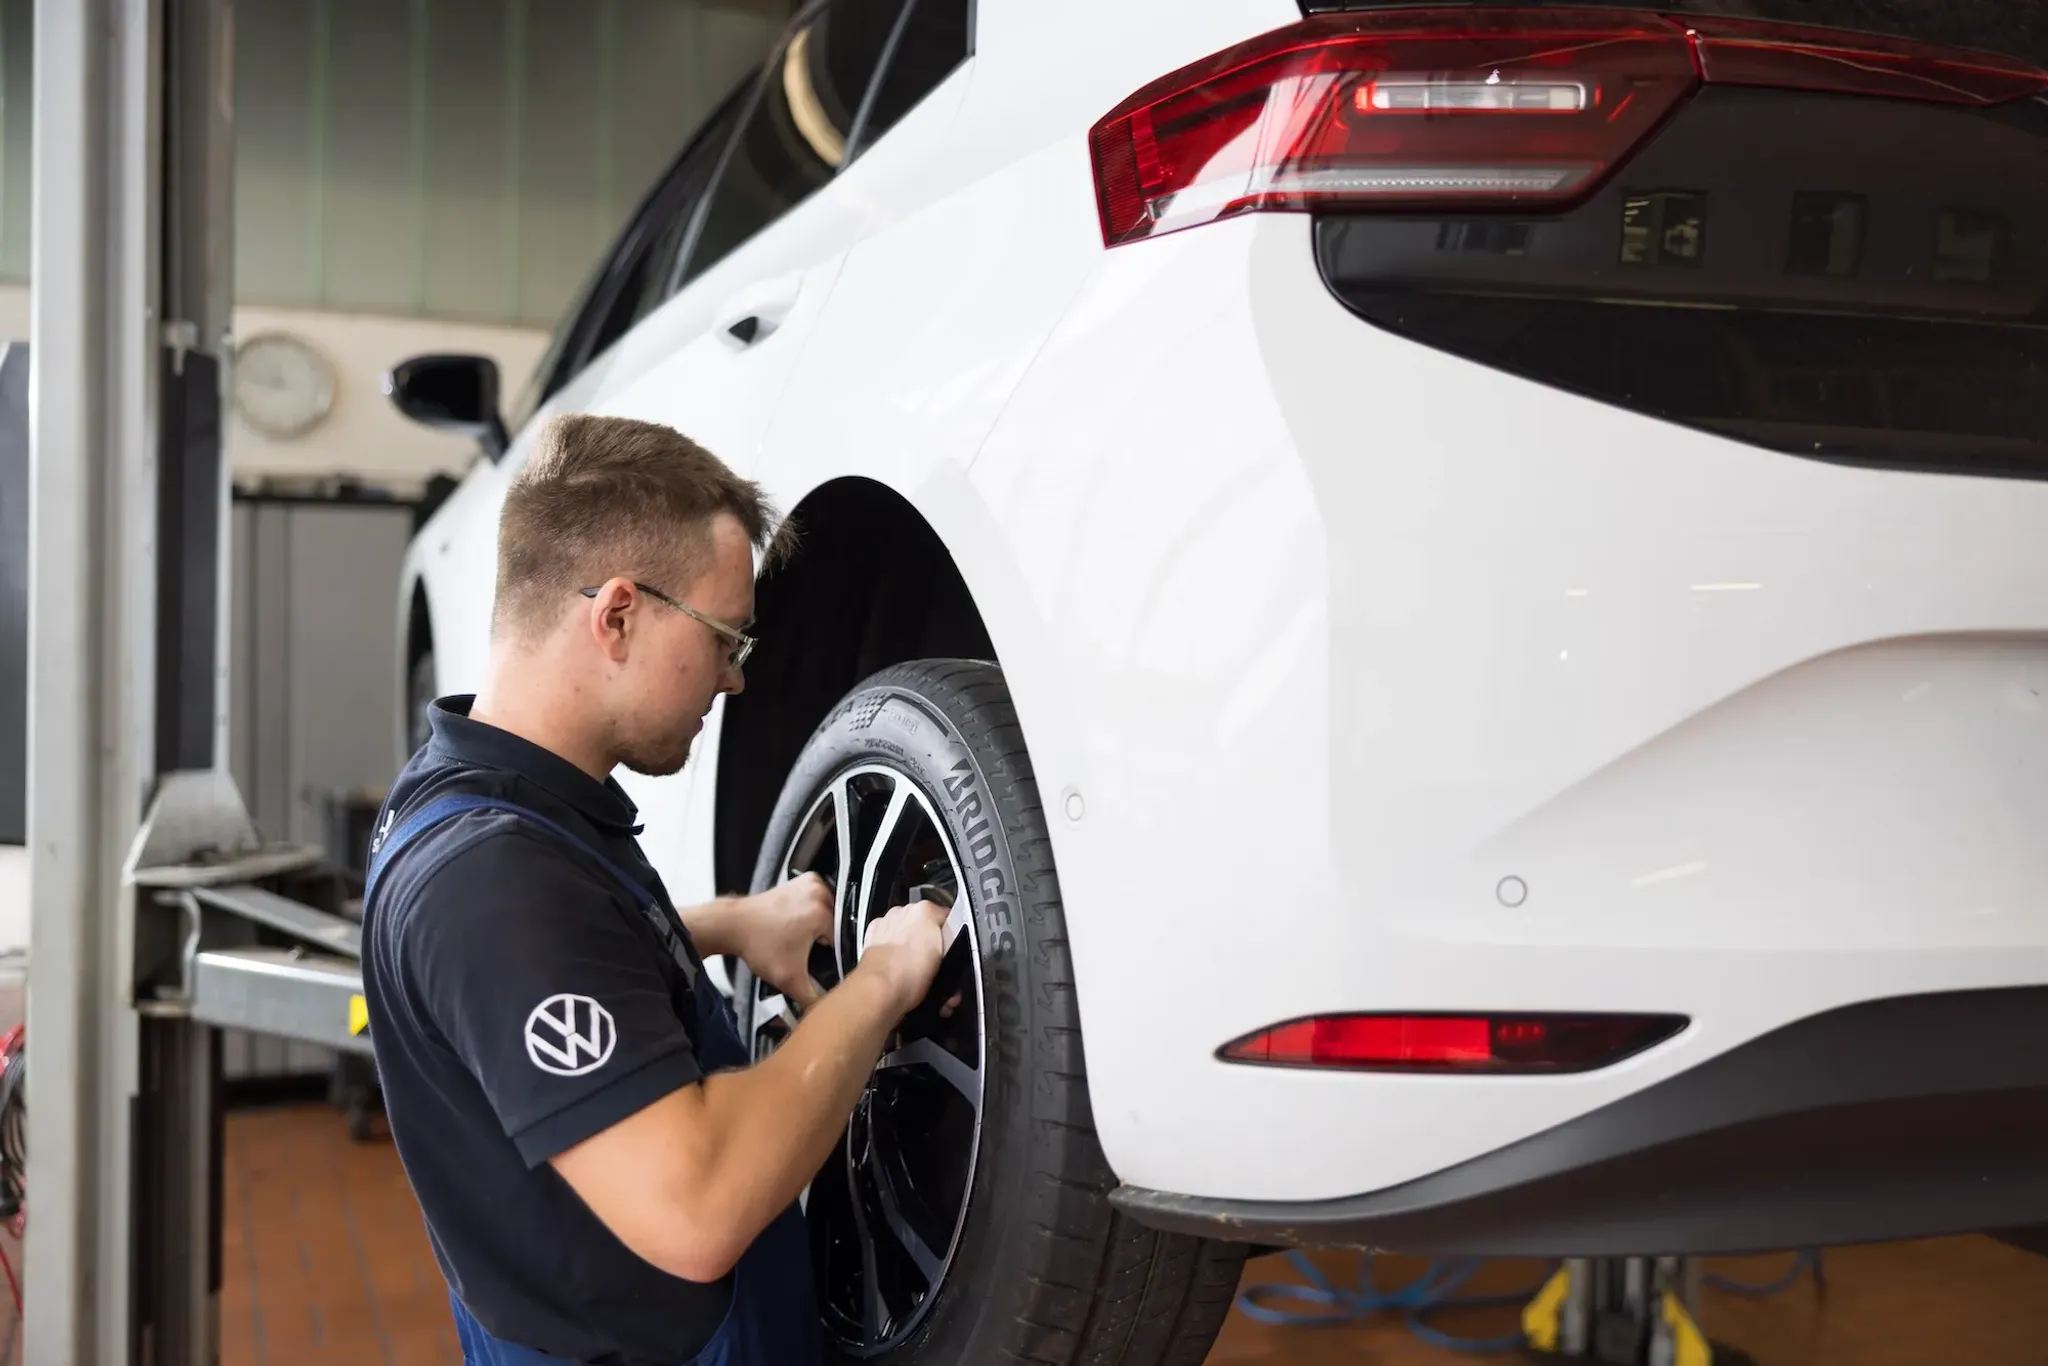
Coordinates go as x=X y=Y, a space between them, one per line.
x=872 y=583
x=419 y=625
x=418 y=639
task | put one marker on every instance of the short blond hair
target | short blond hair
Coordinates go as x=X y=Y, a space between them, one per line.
x=608 y=496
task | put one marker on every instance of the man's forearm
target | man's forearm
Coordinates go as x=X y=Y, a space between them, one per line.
x=775 y=1123
x=711 y=925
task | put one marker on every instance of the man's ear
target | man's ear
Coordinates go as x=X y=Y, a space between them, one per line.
x=611 y=618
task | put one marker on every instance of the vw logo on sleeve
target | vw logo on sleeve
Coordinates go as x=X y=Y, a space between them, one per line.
x=570 y=1035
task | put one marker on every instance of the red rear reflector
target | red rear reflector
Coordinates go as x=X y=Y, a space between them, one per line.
x=1466 y=109
x=1454 y=1043
x=1748 y=52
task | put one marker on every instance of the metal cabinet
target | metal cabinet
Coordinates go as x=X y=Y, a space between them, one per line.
x=313 y=695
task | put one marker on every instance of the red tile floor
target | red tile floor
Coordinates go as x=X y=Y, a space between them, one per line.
x=327 y=1264
x=325 y=1260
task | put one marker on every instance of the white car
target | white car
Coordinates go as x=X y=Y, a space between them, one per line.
x=1461 y=593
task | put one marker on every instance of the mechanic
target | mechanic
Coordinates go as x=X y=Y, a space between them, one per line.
x=605 y=1175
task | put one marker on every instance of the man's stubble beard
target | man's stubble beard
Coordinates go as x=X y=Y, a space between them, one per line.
x=660 y=765
x=649 y=769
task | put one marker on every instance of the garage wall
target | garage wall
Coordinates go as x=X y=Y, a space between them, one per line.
x=418 y=175
x=13 y=898
x=461 y=159
x=364 y=435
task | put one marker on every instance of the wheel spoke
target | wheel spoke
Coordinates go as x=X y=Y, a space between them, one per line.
x=874 y=1311
x=885 y=834
x=928 y=1264
x=928 y=1053
x=842 y=885
x=842 y=891
x=958 y=921
x=773 y=1005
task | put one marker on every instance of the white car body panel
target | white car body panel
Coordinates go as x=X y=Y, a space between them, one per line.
x=723 y=394
x=1326 y=634
x=1365 y=655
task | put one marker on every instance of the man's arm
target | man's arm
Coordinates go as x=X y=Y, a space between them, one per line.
x=772 y=931
x=690 y=1181
x=712 y=925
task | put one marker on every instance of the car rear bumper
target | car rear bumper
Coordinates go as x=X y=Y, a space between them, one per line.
x=1361 y=677
x=1914 y=1116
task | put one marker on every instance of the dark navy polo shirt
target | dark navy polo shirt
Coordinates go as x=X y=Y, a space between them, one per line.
x=471 y=972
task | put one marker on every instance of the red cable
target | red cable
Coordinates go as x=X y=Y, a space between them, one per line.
x=9 y=1044
x=13 y=1286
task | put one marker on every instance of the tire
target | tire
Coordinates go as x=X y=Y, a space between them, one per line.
x=1043 y=1270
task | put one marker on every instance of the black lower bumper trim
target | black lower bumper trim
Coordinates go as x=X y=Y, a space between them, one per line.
x=1907 y=1117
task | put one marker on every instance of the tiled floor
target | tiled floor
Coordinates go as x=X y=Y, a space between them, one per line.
x=325 y=1259
x=327 y=1264
x=1952 y=1302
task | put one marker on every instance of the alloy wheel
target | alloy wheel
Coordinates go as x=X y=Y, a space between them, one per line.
x=886 y=1210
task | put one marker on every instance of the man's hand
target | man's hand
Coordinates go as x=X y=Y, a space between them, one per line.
x=906 y=947
x=773 y=931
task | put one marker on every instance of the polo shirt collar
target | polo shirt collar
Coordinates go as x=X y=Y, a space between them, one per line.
x=456 y=736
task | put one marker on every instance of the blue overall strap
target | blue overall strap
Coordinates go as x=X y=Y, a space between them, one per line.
x=387 y=845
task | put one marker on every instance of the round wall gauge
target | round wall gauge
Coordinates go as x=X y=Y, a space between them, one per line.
x=282 y=386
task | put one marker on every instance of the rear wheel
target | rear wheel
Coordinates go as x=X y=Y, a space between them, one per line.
x=964 y=1216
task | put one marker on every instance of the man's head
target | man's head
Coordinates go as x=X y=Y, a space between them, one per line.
x=625 y=580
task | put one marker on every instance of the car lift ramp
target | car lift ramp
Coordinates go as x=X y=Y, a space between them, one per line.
x=208 y=906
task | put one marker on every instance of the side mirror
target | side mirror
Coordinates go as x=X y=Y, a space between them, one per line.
x=451 y=394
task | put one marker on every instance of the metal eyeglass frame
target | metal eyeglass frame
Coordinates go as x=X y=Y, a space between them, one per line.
x=742 y=643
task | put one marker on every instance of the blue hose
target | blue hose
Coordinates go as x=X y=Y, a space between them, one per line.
x=1427 y=1294
x=1808 y=1257
x=1431 y=1293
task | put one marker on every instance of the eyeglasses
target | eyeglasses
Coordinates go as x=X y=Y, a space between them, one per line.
x=742 y=643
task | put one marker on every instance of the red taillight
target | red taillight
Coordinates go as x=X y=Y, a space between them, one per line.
x=1464 y=109
x=1395 y=110
x=1454 y=1043
x=1749 y=52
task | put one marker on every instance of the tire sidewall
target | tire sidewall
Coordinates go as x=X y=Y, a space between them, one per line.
x=990 y=809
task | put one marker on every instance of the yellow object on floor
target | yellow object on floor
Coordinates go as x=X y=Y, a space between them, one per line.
x=1542 y=1316
x=1689 y=1344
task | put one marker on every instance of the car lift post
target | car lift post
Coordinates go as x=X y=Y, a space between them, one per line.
x=1623 y=1311
x=93 y=650
x=148 y=930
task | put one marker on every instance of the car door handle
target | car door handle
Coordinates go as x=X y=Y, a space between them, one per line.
x=754 y=314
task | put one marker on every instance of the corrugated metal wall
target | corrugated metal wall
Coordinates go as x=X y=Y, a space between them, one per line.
x=450 y=158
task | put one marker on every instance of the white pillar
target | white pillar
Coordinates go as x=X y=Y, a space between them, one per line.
x=92 y=649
